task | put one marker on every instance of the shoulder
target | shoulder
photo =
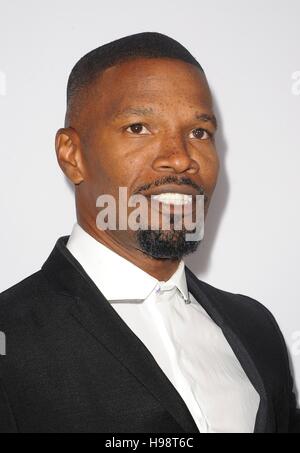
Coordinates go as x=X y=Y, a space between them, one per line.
x=241 y=306
x=30 y=302
x=249 y=311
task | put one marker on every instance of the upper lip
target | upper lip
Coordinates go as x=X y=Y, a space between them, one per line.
x=171 y=188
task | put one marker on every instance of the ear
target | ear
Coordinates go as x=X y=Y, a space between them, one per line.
x=69 y=155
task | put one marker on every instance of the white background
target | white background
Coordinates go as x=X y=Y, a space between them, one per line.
x=250 y=50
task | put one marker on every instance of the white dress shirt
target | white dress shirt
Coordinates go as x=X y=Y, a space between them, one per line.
x=186 y=344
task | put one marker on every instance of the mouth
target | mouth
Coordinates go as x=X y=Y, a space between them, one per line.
x=171 y=191
x=173 y=198
x=173 y=195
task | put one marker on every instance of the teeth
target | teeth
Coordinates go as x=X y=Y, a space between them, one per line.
x=173 y=198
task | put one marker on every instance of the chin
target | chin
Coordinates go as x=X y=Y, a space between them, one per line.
x=165 y=244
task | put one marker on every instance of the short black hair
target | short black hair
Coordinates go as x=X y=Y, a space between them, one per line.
x=147 y=44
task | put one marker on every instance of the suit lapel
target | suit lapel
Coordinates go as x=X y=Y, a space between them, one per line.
x=217 y=306
x=96 y=316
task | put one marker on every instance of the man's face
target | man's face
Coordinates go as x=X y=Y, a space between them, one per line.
x=146 y=124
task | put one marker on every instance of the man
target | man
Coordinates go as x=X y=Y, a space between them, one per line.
x=114 y=333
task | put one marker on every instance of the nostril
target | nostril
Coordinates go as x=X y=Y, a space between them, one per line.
x=176 y=162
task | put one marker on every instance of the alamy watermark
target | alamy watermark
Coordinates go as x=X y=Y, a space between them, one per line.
x=3 y=84
x=2 y=343
x=296 y=83
x=296 y=343
x=167 y=211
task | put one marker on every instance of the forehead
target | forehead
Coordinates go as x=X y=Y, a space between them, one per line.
x=159 y=81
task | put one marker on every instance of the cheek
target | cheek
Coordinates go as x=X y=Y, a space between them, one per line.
x=103 y=160
x=113 y=166
x=209 y=169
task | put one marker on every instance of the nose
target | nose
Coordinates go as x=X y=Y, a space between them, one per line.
x=175 y=159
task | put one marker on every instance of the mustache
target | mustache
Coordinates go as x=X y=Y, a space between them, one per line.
x=172 y=180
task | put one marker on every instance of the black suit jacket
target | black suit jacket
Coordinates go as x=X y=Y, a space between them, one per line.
x=73 y=366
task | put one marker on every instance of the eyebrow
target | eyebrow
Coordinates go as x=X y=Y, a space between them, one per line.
x=207 y=118
x=145 y=111
x=134 y=111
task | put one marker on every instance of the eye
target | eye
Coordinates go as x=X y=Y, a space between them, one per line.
x=201 y=134
x=137 y=129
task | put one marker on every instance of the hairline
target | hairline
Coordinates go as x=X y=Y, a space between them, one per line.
x=77 y=92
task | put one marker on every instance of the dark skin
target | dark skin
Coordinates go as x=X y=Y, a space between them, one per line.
x=170 y=104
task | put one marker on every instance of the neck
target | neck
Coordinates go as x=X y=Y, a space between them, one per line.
x=161 y=269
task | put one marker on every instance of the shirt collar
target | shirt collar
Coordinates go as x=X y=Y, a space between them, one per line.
x=105 y=268
x=178 y=279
